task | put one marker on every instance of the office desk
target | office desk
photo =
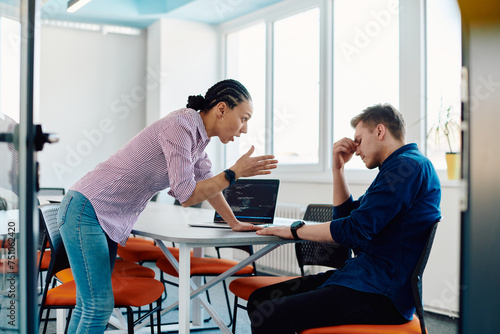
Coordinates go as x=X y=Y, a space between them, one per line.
x=164 y=222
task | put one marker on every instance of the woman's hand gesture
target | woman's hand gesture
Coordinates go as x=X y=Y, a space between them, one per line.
x=250 y=166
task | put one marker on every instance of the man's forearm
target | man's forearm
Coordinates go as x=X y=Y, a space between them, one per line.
x=341 y=191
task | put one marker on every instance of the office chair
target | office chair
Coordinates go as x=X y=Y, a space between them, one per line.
x=43 y=253
x=128 y=291
x=307 y=253
x=415 y=326
x=122 y=268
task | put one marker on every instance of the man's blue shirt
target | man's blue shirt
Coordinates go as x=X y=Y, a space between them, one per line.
x=388 y=226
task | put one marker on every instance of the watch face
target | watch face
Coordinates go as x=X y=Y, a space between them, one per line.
x=297 y=223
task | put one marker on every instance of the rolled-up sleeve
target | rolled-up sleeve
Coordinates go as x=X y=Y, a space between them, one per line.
x=177 y=141
x=344 y=209
x=203 y=167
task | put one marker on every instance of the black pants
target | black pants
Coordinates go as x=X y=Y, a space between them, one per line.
x=298 y=304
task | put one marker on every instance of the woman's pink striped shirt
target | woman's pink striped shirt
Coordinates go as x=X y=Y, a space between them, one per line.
x=167 y=153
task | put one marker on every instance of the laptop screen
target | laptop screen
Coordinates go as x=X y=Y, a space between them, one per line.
x=252 y=200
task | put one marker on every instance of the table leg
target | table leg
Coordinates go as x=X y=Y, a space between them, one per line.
x=196 y=307
x=186 y=285
x=184 y=288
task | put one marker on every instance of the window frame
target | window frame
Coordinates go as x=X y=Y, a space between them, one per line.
x=268 y=16
x=412 y=80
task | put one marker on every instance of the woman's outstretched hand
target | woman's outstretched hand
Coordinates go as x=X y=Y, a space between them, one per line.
x=251 y=166
x=244 y=227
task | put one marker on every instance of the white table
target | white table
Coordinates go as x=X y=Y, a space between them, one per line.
x=169 y=223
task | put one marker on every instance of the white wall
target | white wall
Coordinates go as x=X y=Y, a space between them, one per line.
x=185 y=54
x=92 y=94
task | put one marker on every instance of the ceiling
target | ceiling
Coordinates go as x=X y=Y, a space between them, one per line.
x=142 y=13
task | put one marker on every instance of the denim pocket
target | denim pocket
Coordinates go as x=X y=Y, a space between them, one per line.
x=63 y=210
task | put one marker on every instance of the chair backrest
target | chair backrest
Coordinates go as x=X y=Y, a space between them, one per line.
x=247 y=248
x=51 y=191
x=58 y=256
x=316 y=253
x=416 y=280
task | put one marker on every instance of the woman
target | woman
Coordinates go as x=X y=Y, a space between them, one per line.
x=100 y=210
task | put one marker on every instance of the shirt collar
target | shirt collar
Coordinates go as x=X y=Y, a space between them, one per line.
x=202 y=132
x=399 y=151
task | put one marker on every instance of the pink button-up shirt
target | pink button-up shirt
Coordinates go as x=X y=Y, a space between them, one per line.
x=168 y=153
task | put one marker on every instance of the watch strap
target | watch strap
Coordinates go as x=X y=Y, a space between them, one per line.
x=295 y=226
x=230 y=176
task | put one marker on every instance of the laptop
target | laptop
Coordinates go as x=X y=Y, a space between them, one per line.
x=252 y=201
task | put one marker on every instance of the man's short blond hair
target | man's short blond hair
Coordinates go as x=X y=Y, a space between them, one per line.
x=384 y=114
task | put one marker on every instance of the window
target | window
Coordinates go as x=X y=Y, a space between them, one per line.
x=295 y=135
x=443 y=75
x=279 y=63
x=246 y=62
x=311 y=66
x=366 y=61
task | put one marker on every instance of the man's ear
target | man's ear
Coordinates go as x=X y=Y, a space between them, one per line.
x=381 y=131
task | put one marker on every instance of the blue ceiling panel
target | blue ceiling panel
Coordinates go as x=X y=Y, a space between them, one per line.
x=142 y=13
x=157 y=7
x=216 y=12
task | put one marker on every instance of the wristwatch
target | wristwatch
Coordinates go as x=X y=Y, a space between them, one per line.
x=294 y=227
x=230 y=176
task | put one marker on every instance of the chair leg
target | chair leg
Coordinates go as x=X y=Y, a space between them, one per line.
x=235 y=311
x=151 y=320
x=70 y=312
x=158 y=315
x=130 y=320
x=46 y=320
x=228 y=304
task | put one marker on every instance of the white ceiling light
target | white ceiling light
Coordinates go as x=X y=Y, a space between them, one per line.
x=74 y=5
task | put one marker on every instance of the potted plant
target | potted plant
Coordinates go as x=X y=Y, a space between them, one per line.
x=447 y=127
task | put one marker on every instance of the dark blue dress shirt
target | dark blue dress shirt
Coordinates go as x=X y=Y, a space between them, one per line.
x=388 y=226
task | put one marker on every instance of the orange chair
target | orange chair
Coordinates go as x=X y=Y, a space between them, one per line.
x=140 y=250
x=128 y=291
x=412 y=327
x=308 y=253
x=122 y=268
x=415 y=326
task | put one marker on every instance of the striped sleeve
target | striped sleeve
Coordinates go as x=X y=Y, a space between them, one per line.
x=177 y=142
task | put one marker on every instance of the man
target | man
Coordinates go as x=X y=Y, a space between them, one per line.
x=387 y=228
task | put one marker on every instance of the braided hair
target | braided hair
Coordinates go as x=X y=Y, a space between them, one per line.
x=230 y=91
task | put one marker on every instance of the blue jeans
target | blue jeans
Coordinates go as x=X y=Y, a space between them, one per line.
x=91 y=256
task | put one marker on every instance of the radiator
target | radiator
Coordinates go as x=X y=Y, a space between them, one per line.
x=281 y=261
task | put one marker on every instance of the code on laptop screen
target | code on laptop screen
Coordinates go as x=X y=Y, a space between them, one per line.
x=252 y=200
